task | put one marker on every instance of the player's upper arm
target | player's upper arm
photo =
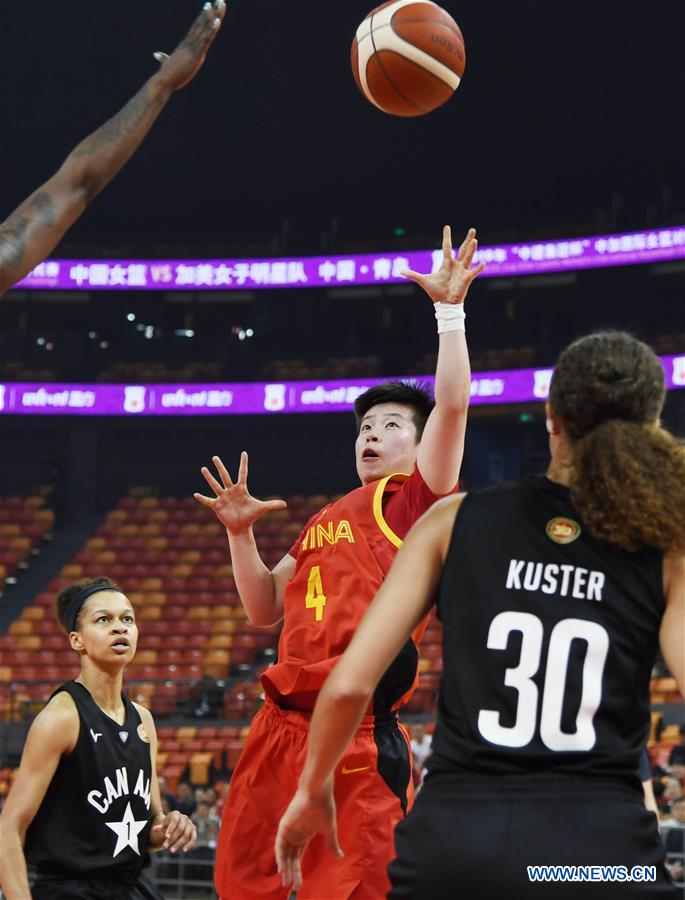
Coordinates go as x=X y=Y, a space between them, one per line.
x=441 y=449
x=282 y=572
x=33 y=230
x=148 y=724
x=672 y=632
x=53 y=734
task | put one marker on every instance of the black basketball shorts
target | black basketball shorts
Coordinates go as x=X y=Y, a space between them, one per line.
x=136 y=887
x=527 y=838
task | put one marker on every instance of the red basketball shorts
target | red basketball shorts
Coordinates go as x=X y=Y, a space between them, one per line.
x=373 y=792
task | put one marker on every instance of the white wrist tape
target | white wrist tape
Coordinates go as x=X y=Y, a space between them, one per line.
x=450 y=316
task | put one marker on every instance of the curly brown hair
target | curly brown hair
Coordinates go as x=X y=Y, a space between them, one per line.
x=628 y=473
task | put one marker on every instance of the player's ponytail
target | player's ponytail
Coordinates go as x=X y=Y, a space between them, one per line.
x=628 y=473
x=628 y=484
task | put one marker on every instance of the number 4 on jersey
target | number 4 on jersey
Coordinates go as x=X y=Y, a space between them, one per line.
x=315 y=599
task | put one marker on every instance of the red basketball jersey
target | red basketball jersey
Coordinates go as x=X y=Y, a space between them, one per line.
x=345 y=554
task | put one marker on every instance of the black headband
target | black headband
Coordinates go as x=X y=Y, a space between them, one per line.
x=77 y=601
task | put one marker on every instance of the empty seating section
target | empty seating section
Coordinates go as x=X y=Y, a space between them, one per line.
x=161 y=372
x=170 y=556
x=197 y=654
x=662 y=737
x=24 y=523
x=331 y=367
x=198 y=754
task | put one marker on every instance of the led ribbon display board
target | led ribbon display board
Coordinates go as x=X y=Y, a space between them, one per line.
x=506 y=260
x=512 y=386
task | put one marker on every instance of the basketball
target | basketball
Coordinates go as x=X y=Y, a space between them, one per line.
x=408 y=57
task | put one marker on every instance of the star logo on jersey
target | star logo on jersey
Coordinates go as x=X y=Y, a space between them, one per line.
x=127 y=831
x=562 y=530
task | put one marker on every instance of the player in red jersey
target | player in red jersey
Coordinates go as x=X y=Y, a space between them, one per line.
x=408 y=455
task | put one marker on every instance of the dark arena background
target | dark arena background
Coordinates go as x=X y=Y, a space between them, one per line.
x=237 y=283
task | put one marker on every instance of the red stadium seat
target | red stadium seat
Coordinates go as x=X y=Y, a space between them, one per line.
x=233 y=750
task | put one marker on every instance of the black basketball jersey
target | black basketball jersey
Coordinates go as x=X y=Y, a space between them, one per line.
x=95 y=817
x=550 y=636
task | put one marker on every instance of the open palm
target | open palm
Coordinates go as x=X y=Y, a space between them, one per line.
x=233 y=505
x=450 y=283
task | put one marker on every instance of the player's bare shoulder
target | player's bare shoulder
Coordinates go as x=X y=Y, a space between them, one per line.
x=674 y=577
x=58 y=723
x=443 y=509
x=146 y=729
x=449 y=506
x=446 y=511
x=434 y=529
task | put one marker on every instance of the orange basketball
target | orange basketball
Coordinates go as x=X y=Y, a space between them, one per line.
x=408 y=57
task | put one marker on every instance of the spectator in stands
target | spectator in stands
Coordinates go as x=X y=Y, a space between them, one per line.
x=676 y=818
x=201 y=857
x=206 y=698
x=408 y=454
x=40 y=222
x=168 y=799
x=421 y=748
x=86 y=796
x=673 y=831
x=210 y=797
x=673 y=791
x=677 y=754
x=207 y=825
x=185 y=800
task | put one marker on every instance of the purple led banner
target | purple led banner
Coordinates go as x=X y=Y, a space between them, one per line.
x=512 y=386
x=375 y=268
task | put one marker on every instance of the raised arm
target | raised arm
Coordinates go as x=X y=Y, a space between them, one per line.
x=442 y=445
x=261 y=590
x=390 y=619
x=39 y=223
x=53 y=733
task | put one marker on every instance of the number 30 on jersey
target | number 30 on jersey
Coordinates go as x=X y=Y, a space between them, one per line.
x=521 y=676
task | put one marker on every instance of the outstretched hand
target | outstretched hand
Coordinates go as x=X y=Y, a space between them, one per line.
x=233 y=504
x=451 y=282
x=181 y=67
x=302 y=820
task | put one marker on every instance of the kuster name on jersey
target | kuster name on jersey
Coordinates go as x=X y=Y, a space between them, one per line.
x=550 y=578
x=101 y=801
